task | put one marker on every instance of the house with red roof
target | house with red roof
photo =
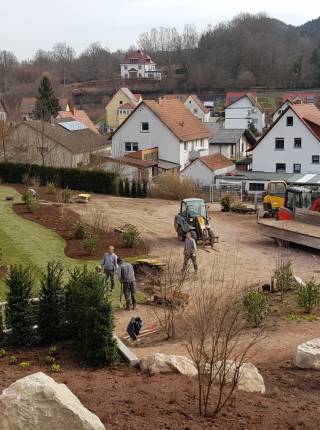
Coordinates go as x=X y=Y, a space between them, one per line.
x=292 y=143
x=193 y=103
x=138 y=65
x=244 y=112
x=28 y=107
x=300 y=97
x=166 y=125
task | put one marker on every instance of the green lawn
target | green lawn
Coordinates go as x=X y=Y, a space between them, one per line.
x=25 y=242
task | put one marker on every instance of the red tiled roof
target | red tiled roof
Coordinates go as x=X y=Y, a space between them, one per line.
x=303 y=96
x=182 y=123
x=216 y=161
x=81 y=116
x=183 y=98
x=238 y=94
x=139 y=56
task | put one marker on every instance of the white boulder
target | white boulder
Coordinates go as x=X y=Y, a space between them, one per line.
x=308 y=355
x=164 y=363
x=37 y=402
x=250 y=380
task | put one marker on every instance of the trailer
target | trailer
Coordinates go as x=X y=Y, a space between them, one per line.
x=303 y=229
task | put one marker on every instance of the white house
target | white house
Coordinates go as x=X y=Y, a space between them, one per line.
x=203 y=170
x=167 y=125
x=292 y=143
x=233 y=144
x=243 y=112
x=193 y=104
x=137 y=65
x=281 y=109
x=3 y=111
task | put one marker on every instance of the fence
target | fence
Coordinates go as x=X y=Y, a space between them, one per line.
x=217 y=191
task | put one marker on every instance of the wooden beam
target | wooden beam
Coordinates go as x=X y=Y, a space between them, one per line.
x=126 y=353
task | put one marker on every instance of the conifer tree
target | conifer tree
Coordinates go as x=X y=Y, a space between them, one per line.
x=127 y=187
x=121 y=188
x=51 y=316
x=133 y=188
x=47 y=104
x=19 y=308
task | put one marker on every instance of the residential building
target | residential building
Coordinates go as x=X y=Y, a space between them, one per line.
x=138 y=65
x=62 y=143
x=300 y=97
x=3 y=110
x=275 y=115
x=233 y=144
x=292 y=142
x=193 y=103
x=233 y=96
x=115 y=115
x=243 y=113
x=78 y=115
x=139 y=165
x=167 y=125
x=28 y=107
x=203 y=170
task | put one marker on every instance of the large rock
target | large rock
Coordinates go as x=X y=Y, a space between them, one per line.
x=164 y=363
x=37 y=402
x=308 y=355
x=250 y=379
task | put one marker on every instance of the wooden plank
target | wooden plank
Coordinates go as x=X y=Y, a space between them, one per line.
x=126 y=353
x=289 y=235
x=293 y=226
x=307 y=216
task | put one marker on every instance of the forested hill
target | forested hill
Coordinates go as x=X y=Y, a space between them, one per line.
x=311 y=28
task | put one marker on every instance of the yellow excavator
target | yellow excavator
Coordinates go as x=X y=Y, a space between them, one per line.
x=275 y=198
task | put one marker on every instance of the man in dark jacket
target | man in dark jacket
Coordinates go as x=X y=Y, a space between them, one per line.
x=128 y=280
x=190 y=252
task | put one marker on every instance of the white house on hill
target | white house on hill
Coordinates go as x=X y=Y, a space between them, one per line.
x=292 y=143
x=138 y=65
x=244 y=112
x=167 y=125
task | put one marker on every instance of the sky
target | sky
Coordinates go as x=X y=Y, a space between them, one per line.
x=27 y=25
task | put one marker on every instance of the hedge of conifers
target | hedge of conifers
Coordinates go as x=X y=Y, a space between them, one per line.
x=97 y=181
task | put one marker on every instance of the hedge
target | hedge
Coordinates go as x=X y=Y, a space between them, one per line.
x=96 y=181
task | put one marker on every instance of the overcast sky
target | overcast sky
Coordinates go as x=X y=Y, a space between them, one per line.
x=27 y=25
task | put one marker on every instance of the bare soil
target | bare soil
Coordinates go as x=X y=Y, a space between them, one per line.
x=126 y=400
x=61 y=219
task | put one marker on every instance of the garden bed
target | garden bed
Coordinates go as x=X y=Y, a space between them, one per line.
x=62 y=219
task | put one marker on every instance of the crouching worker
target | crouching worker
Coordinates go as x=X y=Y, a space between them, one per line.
x=128 y=280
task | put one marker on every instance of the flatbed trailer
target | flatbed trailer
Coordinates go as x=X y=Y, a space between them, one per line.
x=304 y=229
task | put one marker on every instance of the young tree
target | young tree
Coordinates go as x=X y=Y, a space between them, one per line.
x=5 y=132
x=63 y=55
x=51 y=318
x=7 y=62
x=90 y=318
x=19 y=308
x=47 y=104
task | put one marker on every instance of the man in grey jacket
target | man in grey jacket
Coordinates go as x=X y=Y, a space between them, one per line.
x=128 y=280
x=109 y=265
x=190 y=252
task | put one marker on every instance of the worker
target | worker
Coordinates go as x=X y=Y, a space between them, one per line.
x=128 y=280
x=109 y=265
x=190 y=252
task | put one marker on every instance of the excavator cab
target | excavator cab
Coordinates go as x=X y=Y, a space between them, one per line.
x=275 y=197
x=296 y=197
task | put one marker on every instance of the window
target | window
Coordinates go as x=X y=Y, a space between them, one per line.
x=280 y=168
x=131 y=146
x=139 y=67
x=202 y=143
x=297 y=142
x=126 y=67
x=289 y=121
x=315 y=159
x=279 y=144
x=195 y=110
x=145 y=127
x=296 y=168
x=310 y=99
x=120 y=102
x=256 y=186
x=185 y=146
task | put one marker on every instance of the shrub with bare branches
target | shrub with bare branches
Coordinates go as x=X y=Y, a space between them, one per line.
x=217 y=340
x=173 y=186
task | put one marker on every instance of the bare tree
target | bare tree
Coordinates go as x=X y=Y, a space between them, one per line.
x=7 y=61
x=63 y=55
x=5 y=133
x=217 y=338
